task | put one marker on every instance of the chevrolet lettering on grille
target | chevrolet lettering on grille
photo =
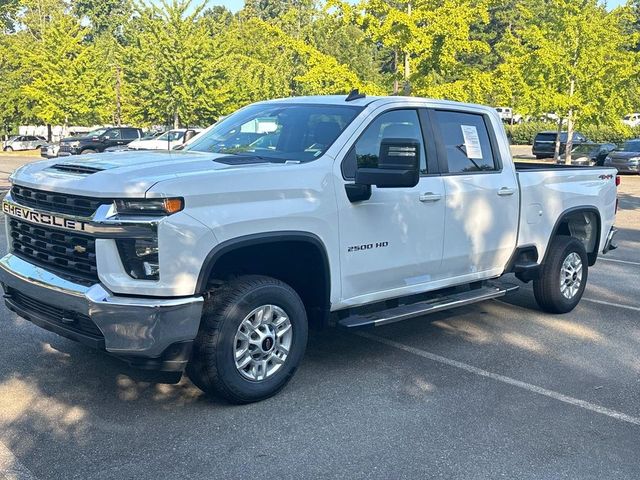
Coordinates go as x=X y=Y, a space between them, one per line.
x=39 y=218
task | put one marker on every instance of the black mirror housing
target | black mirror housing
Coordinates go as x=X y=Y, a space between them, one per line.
x=398 y=165
x=188 y=135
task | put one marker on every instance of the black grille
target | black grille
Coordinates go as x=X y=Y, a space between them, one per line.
x=69 y=320
x=65 y=149
x=56 y=202
x=69 y=253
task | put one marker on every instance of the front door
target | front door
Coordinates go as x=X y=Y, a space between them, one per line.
x=391 y=244
x=482 y=196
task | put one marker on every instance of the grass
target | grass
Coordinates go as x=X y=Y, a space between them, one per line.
x=21 y=153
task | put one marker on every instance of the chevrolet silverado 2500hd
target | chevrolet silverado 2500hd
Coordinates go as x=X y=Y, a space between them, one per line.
x=293 y=213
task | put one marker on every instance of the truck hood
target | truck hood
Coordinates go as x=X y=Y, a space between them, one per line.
x=623 y=155
x=117 y=174
x=79 y=139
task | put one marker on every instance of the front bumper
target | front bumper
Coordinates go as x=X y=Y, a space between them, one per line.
x=146 y=332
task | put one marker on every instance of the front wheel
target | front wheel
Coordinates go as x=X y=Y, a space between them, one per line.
x=564 y=276
x=87 y=151
x=252 y=337
x=8 y=149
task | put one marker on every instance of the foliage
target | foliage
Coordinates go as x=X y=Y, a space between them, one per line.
x=524 y=133
x=150 y=62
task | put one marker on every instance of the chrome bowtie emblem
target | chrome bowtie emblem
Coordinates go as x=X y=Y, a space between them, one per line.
x=80 y=249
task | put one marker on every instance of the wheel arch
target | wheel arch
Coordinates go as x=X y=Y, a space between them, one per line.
x=568 y=223
x=313 y=283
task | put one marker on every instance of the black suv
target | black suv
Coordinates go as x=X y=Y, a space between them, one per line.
x=544 y=144
x=98 y=140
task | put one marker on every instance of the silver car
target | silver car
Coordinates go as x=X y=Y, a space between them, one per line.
x=627 y=158
x=23 y=142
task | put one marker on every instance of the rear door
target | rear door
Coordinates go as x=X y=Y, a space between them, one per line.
x=482 y=196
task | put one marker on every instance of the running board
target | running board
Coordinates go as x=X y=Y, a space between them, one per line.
x=404 y=312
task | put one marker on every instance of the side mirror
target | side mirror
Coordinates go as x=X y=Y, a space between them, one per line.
x=398 y=165
x=188 y=135
x=105 y=137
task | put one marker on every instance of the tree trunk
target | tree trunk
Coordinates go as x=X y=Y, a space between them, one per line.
x=395 y=71
x=176 y=120
x=570 y=122
x=407 y=69
x=556 y=153
x=49 y=132
x=569 y=147
x=118 y=98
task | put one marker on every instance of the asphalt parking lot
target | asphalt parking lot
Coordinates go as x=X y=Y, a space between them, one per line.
x=495 y=390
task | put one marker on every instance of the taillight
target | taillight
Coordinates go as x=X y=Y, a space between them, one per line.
x=617 y=180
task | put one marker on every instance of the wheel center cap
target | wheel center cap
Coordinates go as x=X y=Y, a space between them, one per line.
x=267 y=344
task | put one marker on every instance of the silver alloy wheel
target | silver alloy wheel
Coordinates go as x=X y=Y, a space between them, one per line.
x=262 y=342
x=571 y=275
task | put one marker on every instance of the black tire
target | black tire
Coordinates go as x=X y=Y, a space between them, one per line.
x=87 y=151
x=8 y=149
x=212 y=367
x=547 y=288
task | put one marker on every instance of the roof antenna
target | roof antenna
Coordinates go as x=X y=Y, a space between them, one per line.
x=354 y=95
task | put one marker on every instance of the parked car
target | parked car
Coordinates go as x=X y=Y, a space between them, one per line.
x=165 y=141
x=544 y=143
x=368 y=211
x=626 y=158
x=632 y=120
x=23 y=142
x=50 y=150
x=588 y=154
x=508 y=116
x=98 y=140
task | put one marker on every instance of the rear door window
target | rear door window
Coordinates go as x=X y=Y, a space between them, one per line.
x=464 y=142
x=129 y=133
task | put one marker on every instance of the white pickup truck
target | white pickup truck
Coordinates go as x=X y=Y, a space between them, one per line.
x=313 y=211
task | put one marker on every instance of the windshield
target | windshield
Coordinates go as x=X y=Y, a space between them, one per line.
x=94 y=133
x=171 y=136
x=631 y=146
x=278 y=131
x=584 y=149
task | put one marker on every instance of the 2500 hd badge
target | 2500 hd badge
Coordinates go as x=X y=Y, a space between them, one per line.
x=41 y=218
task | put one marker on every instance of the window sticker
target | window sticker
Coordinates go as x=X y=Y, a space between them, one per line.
x=471 y=141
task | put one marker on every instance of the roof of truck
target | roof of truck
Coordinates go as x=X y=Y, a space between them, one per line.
x=367 y=100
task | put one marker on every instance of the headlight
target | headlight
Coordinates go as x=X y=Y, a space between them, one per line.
x=140 y=257
x=74 y=144
x=634 y=159
x=607 y=159
x=149 y=206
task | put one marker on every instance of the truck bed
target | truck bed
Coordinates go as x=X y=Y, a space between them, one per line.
x=538 y=166
x=549 y=191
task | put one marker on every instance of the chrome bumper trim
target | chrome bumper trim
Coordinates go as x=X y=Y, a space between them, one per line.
x=131 y=325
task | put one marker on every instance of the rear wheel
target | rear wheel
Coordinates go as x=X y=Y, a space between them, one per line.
x=8 y=149
x=563 y=277
x=87 y=150
x=252 y=338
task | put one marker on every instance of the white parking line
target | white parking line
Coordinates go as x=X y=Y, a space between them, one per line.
x=623 y=417
x=611 y=304
x=11 y=468
x=627 y=262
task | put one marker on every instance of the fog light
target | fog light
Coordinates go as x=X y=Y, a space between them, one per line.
x=140 y=257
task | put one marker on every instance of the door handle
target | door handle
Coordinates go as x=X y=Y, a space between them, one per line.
x=504 y=191
x=430 y=197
